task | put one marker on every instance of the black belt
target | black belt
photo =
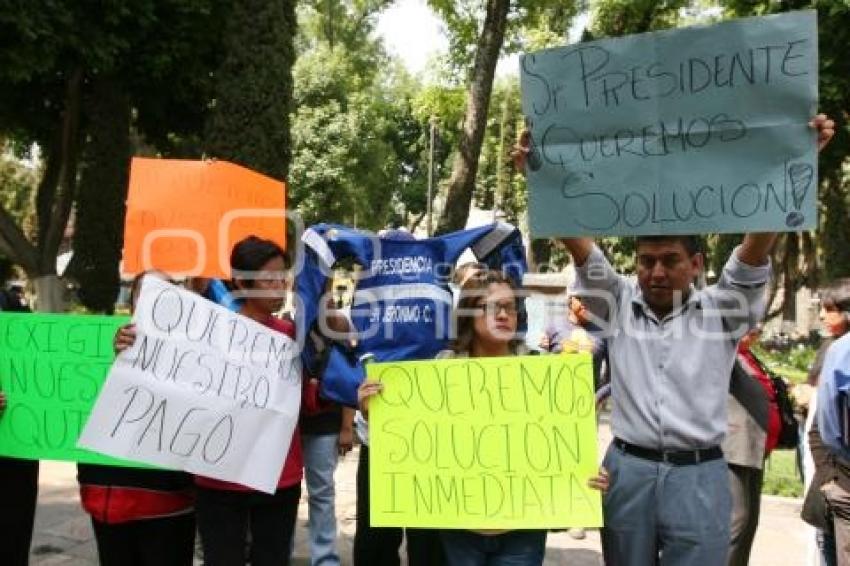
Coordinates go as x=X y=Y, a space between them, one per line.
x=675 y=457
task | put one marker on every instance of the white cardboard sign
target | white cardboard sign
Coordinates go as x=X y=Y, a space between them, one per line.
x=202 y=389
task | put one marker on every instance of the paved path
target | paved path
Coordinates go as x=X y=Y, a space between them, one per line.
x=64 y=536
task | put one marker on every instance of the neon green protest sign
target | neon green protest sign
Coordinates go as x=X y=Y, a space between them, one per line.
x=484 y=443
x=52 y=367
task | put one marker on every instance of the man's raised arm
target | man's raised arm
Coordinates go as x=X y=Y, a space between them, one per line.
x=755 y=249
x=579 y=249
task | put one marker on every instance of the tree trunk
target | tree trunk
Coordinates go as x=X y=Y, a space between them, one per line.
x=541 y=253
x=49 y=294
x=14 y=243
x=99 y=230
x=465 y=165
x=54 y=199
x=773 y=287
x=834 y=233
x=249 y=123
x=790 y=276
x=62 y=196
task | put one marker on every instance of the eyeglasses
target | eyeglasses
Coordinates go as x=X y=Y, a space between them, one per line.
x=493 y=309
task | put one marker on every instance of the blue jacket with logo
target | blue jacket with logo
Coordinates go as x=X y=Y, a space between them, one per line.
x=402 y=304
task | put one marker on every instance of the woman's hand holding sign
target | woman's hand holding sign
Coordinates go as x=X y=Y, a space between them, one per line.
x=124 y=338
x=367 y=389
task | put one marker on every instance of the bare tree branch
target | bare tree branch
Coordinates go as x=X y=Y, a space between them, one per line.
x=773 y=289
x=416 y=222
x=46 y=191
x=465 y=167
x=14 y=243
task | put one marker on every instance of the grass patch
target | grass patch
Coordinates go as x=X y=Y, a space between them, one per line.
x=793 y=365
x=781 y=476
x=791 y=374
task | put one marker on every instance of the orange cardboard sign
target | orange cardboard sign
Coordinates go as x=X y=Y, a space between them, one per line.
x=183 y=217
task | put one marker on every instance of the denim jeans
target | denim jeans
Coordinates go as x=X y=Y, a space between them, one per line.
x=513 y=548
x=320 y=458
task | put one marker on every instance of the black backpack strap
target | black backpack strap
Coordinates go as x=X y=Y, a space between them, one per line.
x=750 y=394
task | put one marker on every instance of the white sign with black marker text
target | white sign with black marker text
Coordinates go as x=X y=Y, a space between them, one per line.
x=202 y=389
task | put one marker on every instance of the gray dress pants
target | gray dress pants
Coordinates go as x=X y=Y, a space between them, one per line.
x=657 y=513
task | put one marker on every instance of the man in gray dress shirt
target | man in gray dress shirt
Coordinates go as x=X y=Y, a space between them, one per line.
x=671 y=350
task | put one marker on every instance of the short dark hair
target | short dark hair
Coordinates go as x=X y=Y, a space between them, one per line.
x=836 y=295
x=691 y=243
x=252 y=253
x=136 y=285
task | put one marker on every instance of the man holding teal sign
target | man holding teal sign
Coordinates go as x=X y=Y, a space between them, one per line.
x=671 y=346
x=671 y=350
x=682 y=131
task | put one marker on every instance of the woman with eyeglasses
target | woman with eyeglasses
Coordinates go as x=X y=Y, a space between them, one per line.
x=490 y=331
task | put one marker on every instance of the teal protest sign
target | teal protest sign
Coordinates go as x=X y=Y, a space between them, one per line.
x=693 y=130
x=52 y=367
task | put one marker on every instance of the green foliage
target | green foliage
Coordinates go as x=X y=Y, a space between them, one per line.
x=620 y=251
x=834 y=234
x=613 y=18
x=17 y=189
x=462 y=19
x=498 y=183
x=341 y=23
x=360 y=140
x=445 y=103
x=781 y=476
x=531 y=25
x=720 y=248
x=793 y=364
x=249 y=121
x=157 y=55
x=542 y=24
x=479 y=31
x=158 y=47
x=409 y=137
x=17 y=186
x=834 y=94
x=338 y=174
